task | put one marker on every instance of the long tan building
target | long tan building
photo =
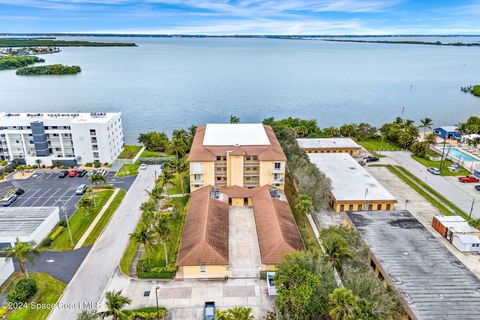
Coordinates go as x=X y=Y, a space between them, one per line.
x=244 y=155
x=206 y=244
x=329 y=145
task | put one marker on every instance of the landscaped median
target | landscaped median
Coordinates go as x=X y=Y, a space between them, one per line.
x=129 y=152
x=59 y=239
x=436 y=164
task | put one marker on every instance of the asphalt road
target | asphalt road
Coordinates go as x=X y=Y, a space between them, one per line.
x=60 y=264
x=93 y=275
x=448 y=188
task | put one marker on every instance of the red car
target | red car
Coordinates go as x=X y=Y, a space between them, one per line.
x=72 y=173
x=469 y=179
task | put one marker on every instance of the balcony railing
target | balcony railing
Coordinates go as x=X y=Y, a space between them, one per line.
x=278 y=170
x=196 y=182
x=278 y=180
x=250 y=173
x=251 y=163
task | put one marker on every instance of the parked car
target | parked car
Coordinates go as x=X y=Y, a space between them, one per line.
x=370 y=159
x=81 y=173
x=434 y=171
x=72 y=173
x=19 y=191
x=477 y=187
x=143 y=166
x=468 y=179
x=8 y=200
x=454 y=167
x=81 y=189
x=209 y=311
x=63 y=174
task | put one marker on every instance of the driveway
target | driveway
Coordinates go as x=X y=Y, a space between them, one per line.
x=60 y=264
x=185 y=299
x=92 y=277
x=448 y=187
x=243 y=243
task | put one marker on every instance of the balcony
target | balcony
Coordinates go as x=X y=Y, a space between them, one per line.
x=220 y=164
x=278 y=170
x=251 y=163
x=278 y=180
x=196 y=181
x=251 y=173
x=220 y=173
x=250 y=184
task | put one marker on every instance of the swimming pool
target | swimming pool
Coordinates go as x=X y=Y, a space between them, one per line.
x=460 y=155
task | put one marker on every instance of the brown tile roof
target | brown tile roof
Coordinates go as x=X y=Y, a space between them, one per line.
x=277 y=231
x=199 y=152
x=205 y=233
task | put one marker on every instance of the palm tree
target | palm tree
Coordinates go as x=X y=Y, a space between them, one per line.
x=343 y=304
x=97 y=178
x=304 y=204
x=430 y=139
x=144 y=235
x=167 y=174
x=88 y=315
x=234 y=119
x=163 y=234
x=241 y=313
x=38 y=162
x=23 y=252
x=426 y=123
x=87 y=203
x=115 y=304
x=337 y=251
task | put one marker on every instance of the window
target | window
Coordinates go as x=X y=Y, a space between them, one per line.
x=247 y=158
x=197 y=177
x=389 y=206
x=93 y=132
x=203 y=269
x=379 y=207
x=342 y=207
x=278 y=165
x=94 y=140
x=350 y=207
x=219 y=178
x=255 y=158
x=96 y=155
x=219 y=158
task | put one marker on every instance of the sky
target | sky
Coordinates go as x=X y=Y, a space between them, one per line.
x=227 y=17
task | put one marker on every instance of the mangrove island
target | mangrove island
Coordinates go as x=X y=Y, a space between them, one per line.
x=14 y=62
x=431 y=43
x=54 y=69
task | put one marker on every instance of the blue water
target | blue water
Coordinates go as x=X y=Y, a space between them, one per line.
x=170 y=83
x=462 y=155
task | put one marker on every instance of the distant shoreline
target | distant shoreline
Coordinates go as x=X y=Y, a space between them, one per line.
x=436 y=43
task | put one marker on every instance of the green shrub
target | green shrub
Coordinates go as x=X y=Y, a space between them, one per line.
x=46 y=242
x=22 y=290
x=88 y=164
x=62 y=223
x=144 y=265
x=97 y=164
x=56 y=233
x=103 y=186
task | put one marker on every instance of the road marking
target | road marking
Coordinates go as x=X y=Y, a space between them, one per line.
x=51 y=197
x=28 y=198
x=50 y=260
x=40 y=197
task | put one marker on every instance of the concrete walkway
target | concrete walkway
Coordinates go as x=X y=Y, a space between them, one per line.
x=95 y=221
x=88 y=284
x=448 y=188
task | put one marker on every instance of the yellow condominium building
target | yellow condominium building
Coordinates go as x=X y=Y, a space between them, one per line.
x=244 y=155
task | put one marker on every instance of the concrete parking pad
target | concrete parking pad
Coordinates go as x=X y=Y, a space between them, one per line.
x=239 y=291
x=174 y=293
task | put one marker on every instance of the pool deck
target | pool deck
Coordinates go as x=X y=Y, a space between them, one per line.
x=469 y=165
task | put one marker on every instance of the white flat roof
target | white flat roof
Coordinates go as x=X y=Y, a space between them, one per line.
x=23 y=221
x=468 y=238
x=63 y=117
x=243 y=134
x=327 y=143
x=350 y=181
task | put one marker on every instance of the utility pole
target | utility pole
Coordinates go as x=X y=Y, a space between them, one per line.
x=406 y=202
x=68 y=225
x=156 y=300
x=443 y=152
x=471 y=208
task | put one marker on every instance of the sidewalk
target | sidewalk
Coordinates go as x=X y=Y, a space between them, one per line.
x=95 y=221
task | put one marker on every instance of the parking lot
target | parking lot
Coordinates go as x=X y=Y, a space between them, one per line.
x=46 y=189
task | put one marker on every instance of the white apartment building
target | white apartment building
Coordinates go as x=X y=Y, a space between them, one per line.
x=60 y=138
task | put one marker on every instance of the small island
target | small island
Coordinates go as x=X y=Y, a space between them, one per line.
x=14 y=62
x=54 y=69
x=10 y=43
x=428 y=43
x=476 y=90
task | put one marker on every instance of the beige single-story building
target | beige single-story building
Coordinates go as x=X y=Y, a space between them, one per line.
x=329 y=145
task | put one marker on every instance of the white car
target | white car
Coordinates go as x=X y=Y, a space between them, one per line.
x=434 y=171
x=81 y=189
x=143 y=166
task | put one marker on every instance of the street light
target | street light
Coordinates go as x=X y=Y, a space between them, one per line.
x=406 y=202
x=68 y=224
x=156 y=301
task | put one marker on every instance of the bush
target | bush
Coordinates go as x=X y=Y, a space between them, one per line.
x=103 y=186
x=62 y=223
x=144 y=265
x=46 y=242
x=97 y=164
x=88 y=164
x=22 y=290
x=56 y=233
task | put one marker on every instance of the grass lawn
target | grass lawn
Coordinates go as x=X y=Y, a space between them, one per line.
x=436 y=164
x=153 y=154
x=129 y=152
x=49 y=290
x=79 y=223
x=303 y=224
x=128 y=255
x=375 y=144
x=101 y=224
x=128 y=170
x=157 y=255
